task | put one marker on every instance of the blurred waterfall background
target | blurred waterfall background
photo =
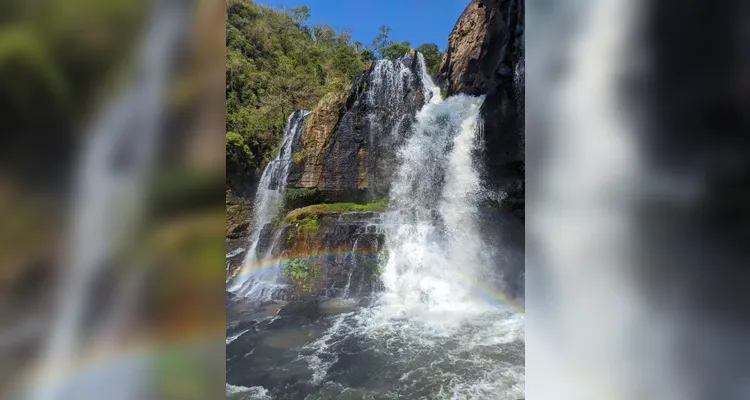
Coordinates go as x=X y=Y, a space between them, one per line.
x=111 y=182
x=638 y=183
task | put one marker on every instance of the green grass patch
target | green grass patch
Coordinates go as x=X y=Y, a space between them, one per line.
x=313 y=211
x=302 y=275
x=305 y=225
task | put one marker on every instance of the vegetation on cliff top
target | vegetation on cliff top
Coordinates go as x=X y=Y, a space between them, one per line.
x=392 y=50
x=277 y=62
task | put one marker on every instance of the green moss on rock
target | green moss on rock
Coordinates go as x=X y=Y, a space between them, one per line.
x=307 y=225
x=300 y=197
x=313 y=211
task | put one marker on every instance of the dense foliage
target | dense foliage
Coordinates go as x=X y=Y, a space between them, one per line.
x=396 y=50
x=278 y=62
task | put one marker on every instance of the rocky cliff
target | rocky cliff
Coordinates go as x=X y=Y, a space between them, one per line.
x=329 y=253
x=471 y=57
x=347 y=153
x=347 y=148
x=485 y=56
x=338 y=179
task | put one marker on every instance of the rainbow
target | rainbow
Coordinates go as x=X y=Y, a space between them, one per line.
x=489 y=294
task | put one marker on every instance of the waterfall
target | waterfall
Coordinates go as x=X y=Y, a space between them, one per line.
x=431 y=232
x=589 y=320
x=108 y=200
x=265 y=283
x=438 y=274
x=428 y=86
x=410 y=338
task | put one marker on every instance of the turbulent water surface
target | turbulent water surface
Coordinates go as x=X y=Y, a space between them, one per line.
x=437 y=330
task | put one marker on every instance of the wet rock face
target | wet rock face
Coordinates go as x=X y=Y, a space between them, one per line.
x=337 y=255
x=485 y=56
x=471 y=57
x=347 y=148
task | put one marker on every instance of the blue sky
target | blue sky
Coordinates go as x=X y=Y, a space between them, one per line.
x=418 y=21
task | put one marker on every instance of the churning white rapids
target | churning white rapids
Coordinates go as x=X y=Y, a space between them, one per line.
x=436 y=331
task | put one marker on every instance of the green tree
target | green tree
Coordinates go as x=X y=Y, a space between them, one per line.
x=239 y=155
x=396 y=50
x=432 y=57
x=367 y=55
x=301 y=15
x=324 y=33
x=382 y=40
x=275 y=65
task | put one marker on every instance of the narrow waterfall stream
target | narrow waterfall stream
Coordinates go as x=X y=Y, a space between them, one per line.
x=269 y=282
x=437 y=327
x=109 y=196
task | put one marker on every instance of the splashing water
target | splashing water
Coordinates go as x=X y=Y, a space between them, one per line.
x=432 y=241
x=431 y=232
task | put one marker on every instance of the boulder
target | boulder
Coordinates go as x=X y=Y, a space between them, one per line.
x=334 y=254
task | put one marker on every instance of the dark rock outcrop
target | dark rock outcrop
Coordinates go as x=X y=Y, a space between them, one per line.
x=471 y=57
x=335 y=254
x=485 y=56
x=347 y=149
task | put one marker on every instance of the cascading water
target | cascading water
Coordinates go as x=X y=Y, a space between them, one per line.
x=431 y=90
x=436 y=259
x=266 y=283
x=116 y=164
x=431 y=231
x=436 y=329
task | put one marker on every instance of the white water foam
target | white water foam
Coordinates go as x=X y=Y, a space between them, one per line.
x=431 y=232
x=231 y=339
x=247 y=393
